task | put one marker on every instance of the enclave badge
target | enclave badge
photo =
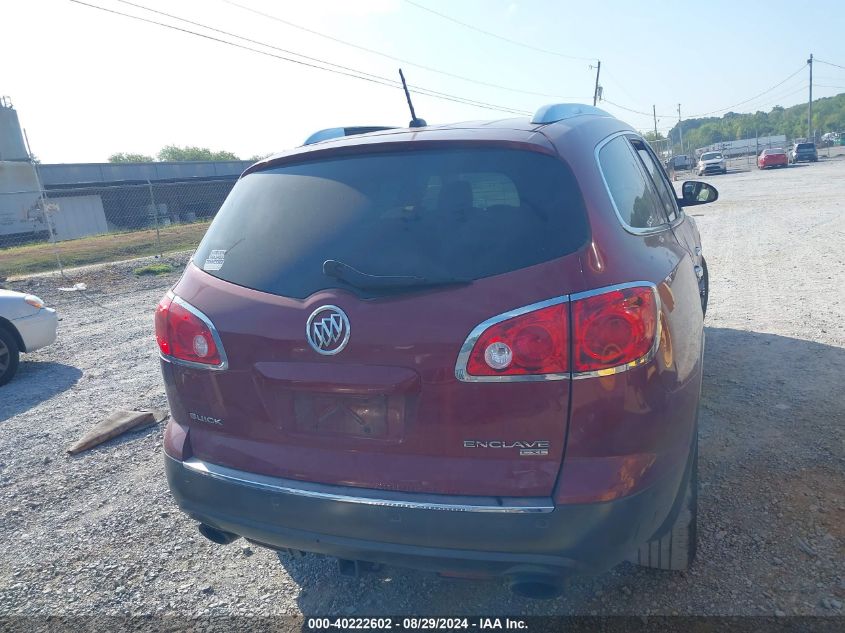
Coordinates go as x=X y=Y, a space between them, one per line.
x=327 y=330
x=526 y=447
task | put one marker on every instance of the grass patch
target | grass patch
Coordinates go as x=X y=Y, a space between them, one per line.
x=154 y=269
x=98 y=249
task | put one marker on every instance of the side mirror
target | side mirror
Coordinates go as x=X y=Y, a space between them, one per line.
x=697 y=192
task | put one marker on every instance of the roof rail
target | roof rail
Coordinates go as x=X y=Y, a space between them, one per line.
x=559 y=111
x=338 y=132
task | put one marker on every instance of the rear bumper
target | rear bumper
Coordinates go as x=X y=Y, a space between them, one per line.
x=37 y=330
x=431 y=532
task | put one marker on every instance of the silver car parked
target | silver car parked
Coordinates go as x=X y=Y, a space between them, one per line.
x=26 y=325
x=711 y=163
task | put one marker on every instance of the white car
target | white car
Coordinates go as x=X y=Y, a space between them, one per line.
x=25 y=326
x=711 y=163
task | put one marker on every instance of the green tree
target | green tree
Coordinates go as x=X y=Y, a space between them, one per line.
x=175 y=153
x=127 y=157
x=828 y=116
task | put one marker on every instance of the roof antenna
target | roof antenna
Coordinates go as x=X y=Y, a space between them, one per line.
x=415 y=122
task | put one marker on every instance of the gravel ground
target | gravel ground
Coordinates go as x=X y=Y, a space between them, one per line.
x=98 y=533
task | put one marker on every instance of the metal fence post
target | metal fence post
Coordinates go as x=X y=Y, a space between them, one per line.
x=47 y=219
x=155 y=215
x=43 y=200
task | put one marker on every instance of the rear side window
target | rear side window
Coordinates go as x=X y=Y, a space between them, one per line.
x=664 y=190
x=454 y=213
x=631 y=189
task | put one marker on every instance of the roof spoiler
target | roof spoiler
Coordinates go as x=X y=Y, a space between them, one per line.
x=339 y=132
x=555 y=112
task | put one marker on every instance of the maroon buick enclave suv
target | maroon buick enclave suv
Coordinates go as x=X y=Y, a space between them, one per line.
x=473 y=349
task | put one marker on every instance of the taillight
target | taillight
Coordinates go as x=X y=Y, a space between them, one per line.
x=184 y=334
x=161 y=323
x=536 y=342
x=613 y=328
x=591 y=332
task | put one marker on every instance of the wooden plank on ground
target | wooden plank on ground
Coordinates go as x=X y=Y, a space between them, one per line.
x=115 y=424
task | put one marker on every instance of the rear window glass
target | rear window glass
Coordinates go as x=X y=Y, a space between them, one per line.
x=805 y=146
x=436 y=214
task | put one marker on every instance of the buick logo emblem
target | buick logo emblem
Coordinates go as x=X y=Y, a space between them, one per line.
x=327 y=330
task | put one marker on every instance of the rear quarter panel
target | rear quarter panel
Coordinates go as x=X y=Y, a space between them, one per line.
x=628 y=430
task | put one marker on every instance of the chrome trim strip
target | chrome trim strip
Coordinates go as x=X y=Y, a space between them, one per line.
x=224 y=360
x=657 y=330
x=625 y=225
x=324 y=492
x=463 y=356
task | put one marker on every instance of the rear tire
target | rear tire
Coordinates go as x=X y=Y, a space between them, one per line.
x=704 y=287
x=675 y=549
x=9 y=356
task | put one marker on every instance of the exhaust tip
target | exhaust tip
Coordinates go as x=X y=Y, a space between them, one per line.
x=216 y=536
x=537 y=586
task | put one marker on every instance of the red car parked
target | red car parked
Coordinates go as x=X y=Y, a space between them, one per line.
x=772 y=158
x=472 y=349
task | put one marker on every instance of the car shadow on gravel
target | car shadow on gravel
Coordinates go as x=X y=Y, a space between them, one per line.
x=773 y=383
x=766 y=401
x=35 y=382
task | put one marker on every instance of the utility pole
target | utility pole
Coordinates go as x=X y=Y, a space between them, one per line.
x=680 y=129
x=810 y=103
x=654 y=111
x=596 y=91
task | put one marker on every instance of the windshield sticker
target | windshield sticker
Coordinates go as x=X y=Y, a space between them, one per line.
x=215 y=260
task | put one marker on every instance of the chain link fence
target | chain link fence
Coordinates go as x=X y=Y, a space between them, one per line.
x=737 y=160
x=52 y=228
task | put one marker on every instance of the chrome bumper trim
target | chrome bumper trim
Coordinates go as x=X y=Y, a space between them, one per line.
x=413 y=501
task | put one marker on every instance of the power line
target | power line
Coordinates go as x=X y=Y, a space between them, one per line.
x=695 y=116
x=346 y=71
x=771 y=101
x=499 y=37
x=314 y=59
x=627 y=109
x=613 y=79
x=227 y=33
x=386 y=55
x=821 y=61
x=774 y=101
x=731 y=107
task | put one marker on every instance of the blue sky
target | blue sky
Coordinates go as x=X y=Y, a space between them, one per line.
x=87 y=83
